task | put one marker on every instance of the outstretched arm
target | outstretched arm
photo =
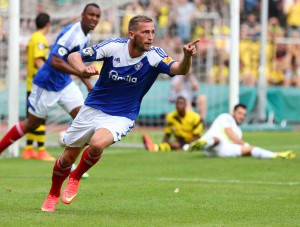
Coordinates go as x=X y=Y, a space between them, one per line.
x=182 y=67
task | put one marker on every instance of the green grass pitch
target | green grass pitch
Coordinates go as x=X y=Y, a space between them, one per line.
x=131 y=187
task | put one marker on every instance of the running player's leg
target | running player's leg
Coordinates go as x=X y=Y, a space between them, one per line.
x=105 y=129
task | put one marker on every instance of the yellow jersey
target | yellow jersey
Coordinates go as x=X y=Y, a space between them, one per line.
x=186 y=127
x=37 y=48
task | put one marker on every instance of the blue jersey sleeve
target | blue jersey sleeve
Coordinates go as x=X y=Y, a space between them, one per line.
x=159 y=59
x=60 y=51
x=165 y=65
x=88 y=54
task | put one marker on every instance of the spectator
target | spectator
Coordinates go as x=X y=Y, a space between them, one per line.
x=219 y=74
x=293 y=18
x=186 y=86
x=162 y=14
x=274 y=29
x=185 y=12
x=251 y=28
x=292 y=63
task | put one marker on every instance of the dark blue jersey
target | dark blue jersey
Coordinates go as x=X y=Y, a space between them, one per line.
x=123 y=80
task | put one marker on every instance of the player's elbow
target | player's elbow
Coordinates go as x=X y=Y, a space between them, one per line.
x=71 y=57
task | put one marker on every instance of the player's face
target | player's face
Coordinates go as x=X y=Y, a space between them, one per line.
x=239 y=115
x=90 y=18
x=180 y=105
x=143 y=36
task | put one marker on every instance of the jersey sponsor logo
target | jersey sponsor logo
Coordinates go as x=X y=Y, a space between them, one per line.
x=167 y=60
x=138 y=66
x=115 y=76
x=88 y=52
x=62 y=51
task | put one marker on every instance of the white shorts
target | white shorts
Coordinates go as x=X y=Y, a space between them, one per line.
x=89 y=120
x=228 y=150
x=41 y=100
x=224 y=149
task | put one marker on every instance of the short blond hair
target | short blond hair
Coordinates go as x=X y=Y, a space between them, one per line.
x=133 y=23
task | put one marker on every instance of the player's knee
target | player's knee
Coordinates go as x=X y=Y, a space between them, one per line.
x=67 y=159
x=31 y=126
x=96 y=147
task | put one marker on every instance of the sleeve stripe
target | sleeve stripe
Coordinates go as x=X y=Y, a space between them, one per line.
x=159 y=51
x=72 y=37
x=118 y=40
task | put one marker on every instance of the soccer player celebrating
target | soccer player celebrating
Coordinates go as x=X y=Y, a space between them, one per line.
x=130 y=67
x=224 y=139
x=52 y=83
x=183 y=123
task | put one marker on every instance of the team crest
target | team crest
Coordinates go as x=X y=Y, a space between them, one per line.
x=41 y=46
x=138 y=66
x=88 y=52
x=167 y=60
x=62 y=51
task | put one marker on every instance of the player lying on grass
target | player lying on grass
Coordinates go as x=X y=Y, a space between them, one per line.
x=224 y=139
x=184 y=124
x=130 y=67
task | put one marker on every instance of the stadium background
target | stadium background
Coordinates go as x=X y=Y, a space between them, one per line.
x=210 y=21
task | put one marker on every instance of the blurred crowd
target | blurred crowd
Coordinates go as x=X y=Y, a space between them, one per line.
x=181 y=21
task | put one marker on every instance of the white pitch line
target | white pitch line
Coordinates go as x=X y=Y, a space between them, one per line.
x=228 y=181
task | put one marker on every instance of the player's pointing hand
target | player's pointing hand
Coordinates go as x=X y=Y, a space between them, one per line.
x=190 y=48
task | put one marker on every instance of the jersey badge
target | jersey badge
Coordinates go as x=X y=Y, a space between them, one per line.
x=167 y=60
x=88 y=52
x=40 y=46
x=138 y=66
x=62 y=51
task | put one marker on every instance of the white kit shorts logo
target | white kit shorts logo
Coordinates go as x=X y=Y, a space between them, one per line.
x=115 y=76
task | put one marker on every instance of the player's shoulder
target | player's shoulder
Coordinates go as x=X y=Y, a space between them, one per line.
x=157 y=54
x=112 y=42
x=157 y=51
x=37 y=36
x=225 y=117
x=171 y=115
x=72 y=31
x=193 y=113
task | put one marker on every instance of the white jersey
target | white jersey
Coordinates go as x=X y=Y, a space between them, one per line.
x=217 y=128
x=226 y=148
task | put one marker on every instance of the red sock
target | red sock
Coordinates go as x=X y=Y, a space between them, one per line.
x=15 y=133
x=86 y=162
x=58 y=176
